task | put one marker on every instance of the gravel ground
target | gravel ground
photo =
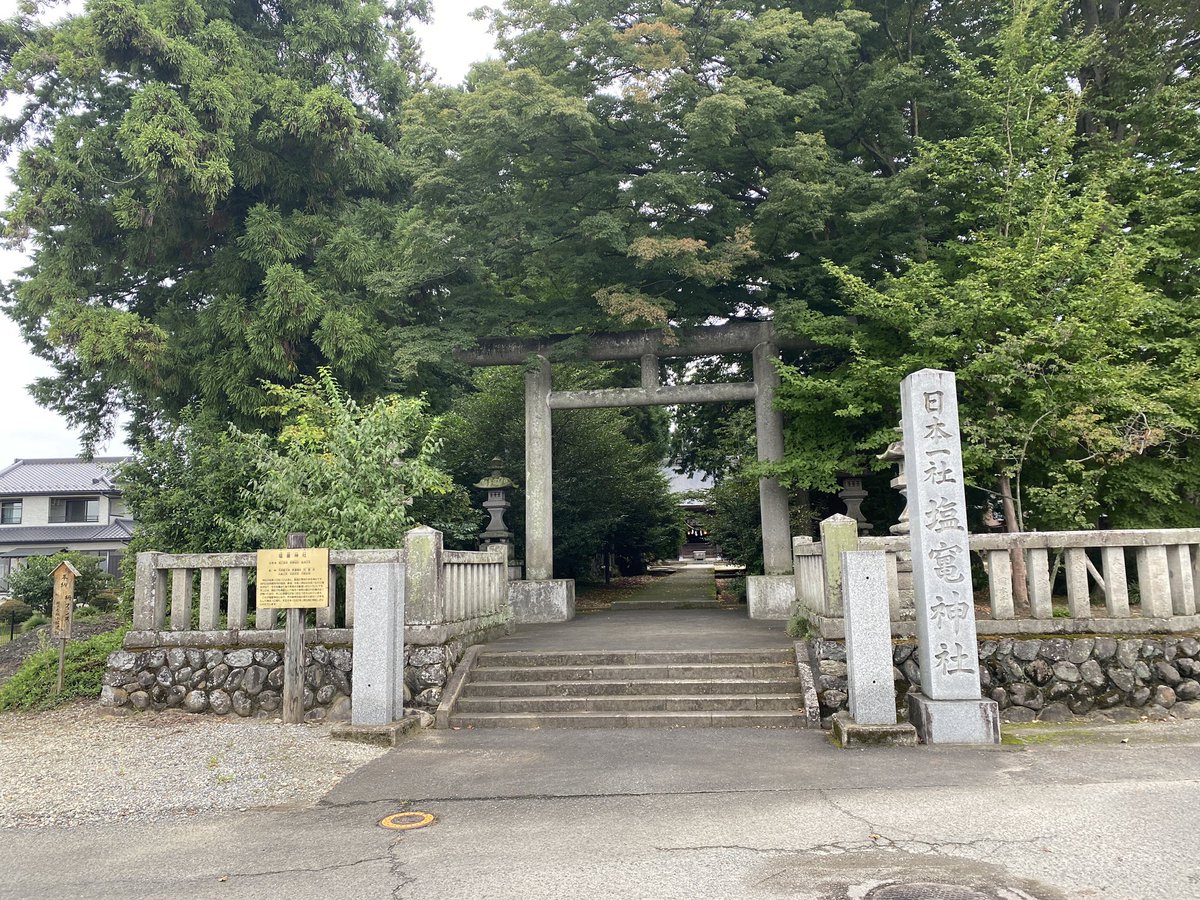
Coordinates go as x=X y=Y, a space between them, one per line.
x=77 y=766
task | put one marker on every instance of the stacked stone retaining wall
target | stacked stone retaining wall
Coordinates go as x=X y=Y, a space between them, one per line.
x=248 y=681
x=1053 y=678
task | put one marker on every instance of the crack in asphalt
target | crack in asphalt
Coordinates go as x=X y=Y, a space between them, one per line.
x=625 y=795
x=875 y=842
x=396 y=869
x=230 y=876
x=616 y=795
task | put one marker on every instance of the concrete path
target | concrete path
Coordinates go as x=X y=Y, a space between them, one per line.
x=661 y=626
x=688 y=587
x=663 y=814
x=648 y=629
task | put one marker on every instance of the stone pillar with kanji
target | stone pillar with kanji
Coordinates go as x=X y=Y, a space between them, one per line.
x=949 y=708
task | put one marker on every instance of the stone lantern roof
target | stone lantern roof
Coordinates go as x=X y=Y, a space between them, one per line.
x=496 y=481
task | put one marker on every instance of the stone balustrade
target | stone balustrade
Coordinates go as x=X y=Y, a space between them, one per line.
x=449 y=594
x=1115 y=582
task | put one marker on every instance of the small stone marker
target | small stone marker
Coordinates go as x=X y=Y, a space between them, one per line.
x=62 y=614
x=867 y=619
x=378 y=686
x=868 y=638
x=948 y=651
x=838 y=533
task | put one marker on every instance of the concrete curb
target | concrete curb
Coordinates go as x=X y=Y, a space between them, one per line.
x=808 y=684
x=454 y=687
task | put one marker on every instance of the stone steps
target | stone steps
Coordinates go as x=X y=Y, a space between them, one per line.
x=666 y=604
x=665 y=687
x=631 y=689
x=634 y=672
x=728 y=718
x=631 y=657
x=628 y=703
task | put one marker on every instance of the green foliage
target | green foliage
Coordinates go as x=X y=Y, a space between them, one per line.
x=736 y=526
x=184 y=487
x=208 y=191
x=32 y=685
x=219 y=196
x=346 y=474
x=608 y=486
x=14 y=611
x=33 y=582
x=1042 y=306
x=350 y=475
x=34 y=621
x=798 y=626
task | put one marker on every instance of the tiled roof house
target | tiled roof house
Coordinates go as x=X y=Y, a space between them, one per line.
x=48 y=505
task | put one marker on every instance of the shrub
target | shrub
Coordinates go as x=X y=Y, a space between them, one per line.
x=34 y=621
x=14 y=612
x=32 y=687
x=34 y=583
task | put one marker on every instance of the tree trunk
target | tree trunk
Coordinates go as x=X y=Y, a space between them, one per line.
x=1020 y=583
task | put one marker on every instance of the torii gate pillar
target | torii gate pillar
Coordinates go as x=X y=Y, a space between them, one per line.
x=539 y=481
x=773 y=502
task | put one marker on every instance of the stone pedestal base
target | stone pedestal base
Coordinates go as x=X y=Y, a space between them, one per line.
x=378 y=735
x=847 y=733
x=954 y=721
x=537 y=602
x=770 y=596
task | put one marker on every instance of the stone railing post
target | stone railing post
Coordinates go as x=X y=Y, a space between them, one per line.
x=424 y=586
x=148 y=606
x=838 y=534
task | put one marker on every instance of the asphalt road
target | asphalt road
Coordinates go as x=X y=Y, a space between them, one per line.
x=679 y=813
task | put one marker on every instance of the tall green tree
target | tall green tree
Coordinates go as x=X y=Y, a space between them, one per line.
x=205 y=189
x=1041 y=305
x=642 y=164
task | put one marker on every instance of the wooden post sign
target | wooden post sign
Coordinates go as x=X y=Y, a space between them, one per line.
x=295 y=579
x=62 y=614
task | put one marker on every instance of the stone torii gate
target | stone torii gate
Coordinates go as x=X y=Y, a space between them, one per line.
x=767 y=593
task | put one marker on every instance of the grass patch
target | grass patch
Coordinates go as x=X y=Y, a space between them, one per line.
x=1033 y=734
x=799 y=627
x=32 y=686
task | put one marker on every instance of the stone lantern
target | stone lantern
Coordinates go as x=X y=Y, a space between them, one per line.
x=853 y=494
x=497 y=487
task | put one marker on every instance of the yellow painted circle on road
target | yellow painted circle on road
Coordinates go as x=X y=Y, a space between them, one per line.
x=406 y=821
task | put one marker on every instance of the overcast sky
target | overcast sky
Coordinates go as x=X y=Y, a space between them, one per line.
x=451 y=42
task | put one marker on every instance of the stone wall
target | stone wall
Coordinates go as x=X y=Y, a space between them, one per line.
x=248 y=681
x=1052 y=679
x=245 y=682
x=426 y=671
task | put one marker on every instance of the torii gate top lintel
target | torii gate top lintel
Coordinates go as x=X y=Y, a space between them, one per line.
x=740 y=336
x=756 y=338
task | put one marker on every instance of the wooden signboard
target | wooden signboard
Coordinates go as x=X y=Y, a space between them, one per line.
x=293 y=579
x=61 y=613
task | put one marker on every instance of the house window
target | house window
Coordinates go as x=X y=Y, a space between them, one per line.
x=10 y=512
x=74 y=509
